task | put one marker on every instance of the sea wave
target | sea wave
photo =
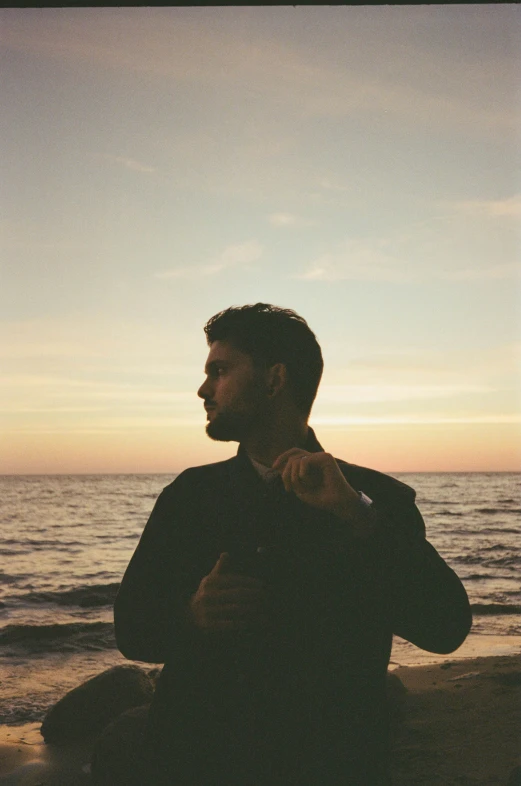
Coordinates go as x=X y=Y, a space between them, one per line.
x=449 y=513
x=85 y=597
x=468 y=559
x=502 y=530
x=45 y=543
x=492 y=511
x=10 y=552
x=68 y=637
x=496 y=547
x=511 y=560
x=484 y=576
x=7 y=578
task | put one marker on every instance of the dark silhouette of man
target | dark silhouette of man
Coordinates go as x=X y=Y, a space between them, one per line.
x=270 y=584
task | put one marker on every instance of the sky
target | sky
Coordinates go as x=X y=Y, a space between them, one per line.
x=359 y=164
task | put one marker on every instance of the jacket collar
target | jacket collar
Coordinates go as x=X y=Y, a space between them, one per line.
x=312 y=445
x=247 y=485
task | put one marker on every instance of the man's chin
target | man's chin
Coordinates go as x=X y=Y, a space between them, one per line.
x=220 y=433
x=229 y=426
x=217 y=434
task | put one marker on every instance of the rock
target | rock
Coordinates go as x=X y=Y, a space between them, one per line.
x=87 y=709
x=154 y=675
x=115 y=758
x=515 y=777
x=396 y=696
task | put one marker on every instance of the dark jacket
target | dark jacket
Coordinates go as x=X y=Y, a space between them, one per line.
x=306 y=697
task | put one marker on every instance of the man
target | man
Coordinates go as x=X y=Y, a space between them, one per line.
x=270 y=584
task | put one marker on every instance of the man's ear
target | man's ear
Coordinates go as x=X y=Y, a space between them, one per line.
x=277 y=379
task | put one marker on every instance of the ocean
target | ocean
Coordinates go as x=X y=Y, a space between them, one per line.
x=66 y=540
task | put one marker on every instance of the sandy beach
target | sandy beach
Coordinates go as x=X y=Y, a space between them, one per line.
x=461 y=724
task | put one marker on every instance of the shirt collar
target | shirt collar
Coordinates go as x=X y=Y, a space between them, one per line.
x=266 y=473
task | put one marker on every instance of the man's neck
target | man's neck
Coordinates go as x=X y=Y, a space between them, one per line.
x=267 y=446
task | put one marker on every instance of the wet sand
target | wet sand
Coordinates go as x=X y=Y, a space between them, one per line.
x=25 y=760
x=461 y=724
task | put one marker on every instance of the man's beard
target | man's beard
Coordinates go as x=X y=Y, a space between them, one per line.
x=230 y=426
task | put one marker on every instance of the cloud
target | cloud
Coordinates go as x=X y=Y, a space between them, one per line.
x=288 y=220
x=17 y=410
x=128 y=163
x=62 y=386
x=245 y=51
x=510 y=207
x=361 y=260
x=47 y=349
x=509 y=270
x=125 y=424
x=413 y=420
x=496 y=359
x=148 y=424
x=445 y=248
x=237 y=255
x=471 y=370
x=96 y=347
x=366 y=394
x=60 y=402
x=329 y=185
x=114 y=424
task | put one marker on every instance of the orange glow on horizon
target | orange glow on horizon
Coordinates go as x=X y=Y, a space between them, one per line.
x=388 y=448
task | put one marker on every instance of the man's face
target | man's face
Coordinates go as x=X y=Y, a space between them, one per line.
x=234 y=393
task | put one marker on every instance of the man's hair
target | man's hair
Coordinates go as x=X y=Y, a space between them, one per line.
x=273 y=335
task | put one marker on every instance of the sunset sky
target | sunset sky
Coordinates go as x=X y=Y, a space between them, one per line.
x=357 y=164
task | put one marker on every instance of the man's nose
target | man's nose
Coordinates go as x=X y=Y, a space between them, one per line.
x=204 y=390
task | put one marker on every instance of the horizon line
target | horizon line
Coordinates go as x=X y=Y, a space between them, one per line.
x=178 y=472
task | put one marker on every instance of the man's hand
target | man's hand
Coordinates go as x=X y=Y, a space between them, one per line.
x=227 y=601
x=316 y=479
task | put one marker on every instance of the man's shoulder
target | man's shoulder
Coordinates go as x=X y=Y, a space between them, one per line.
x=371 y=481
x=192 y=477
